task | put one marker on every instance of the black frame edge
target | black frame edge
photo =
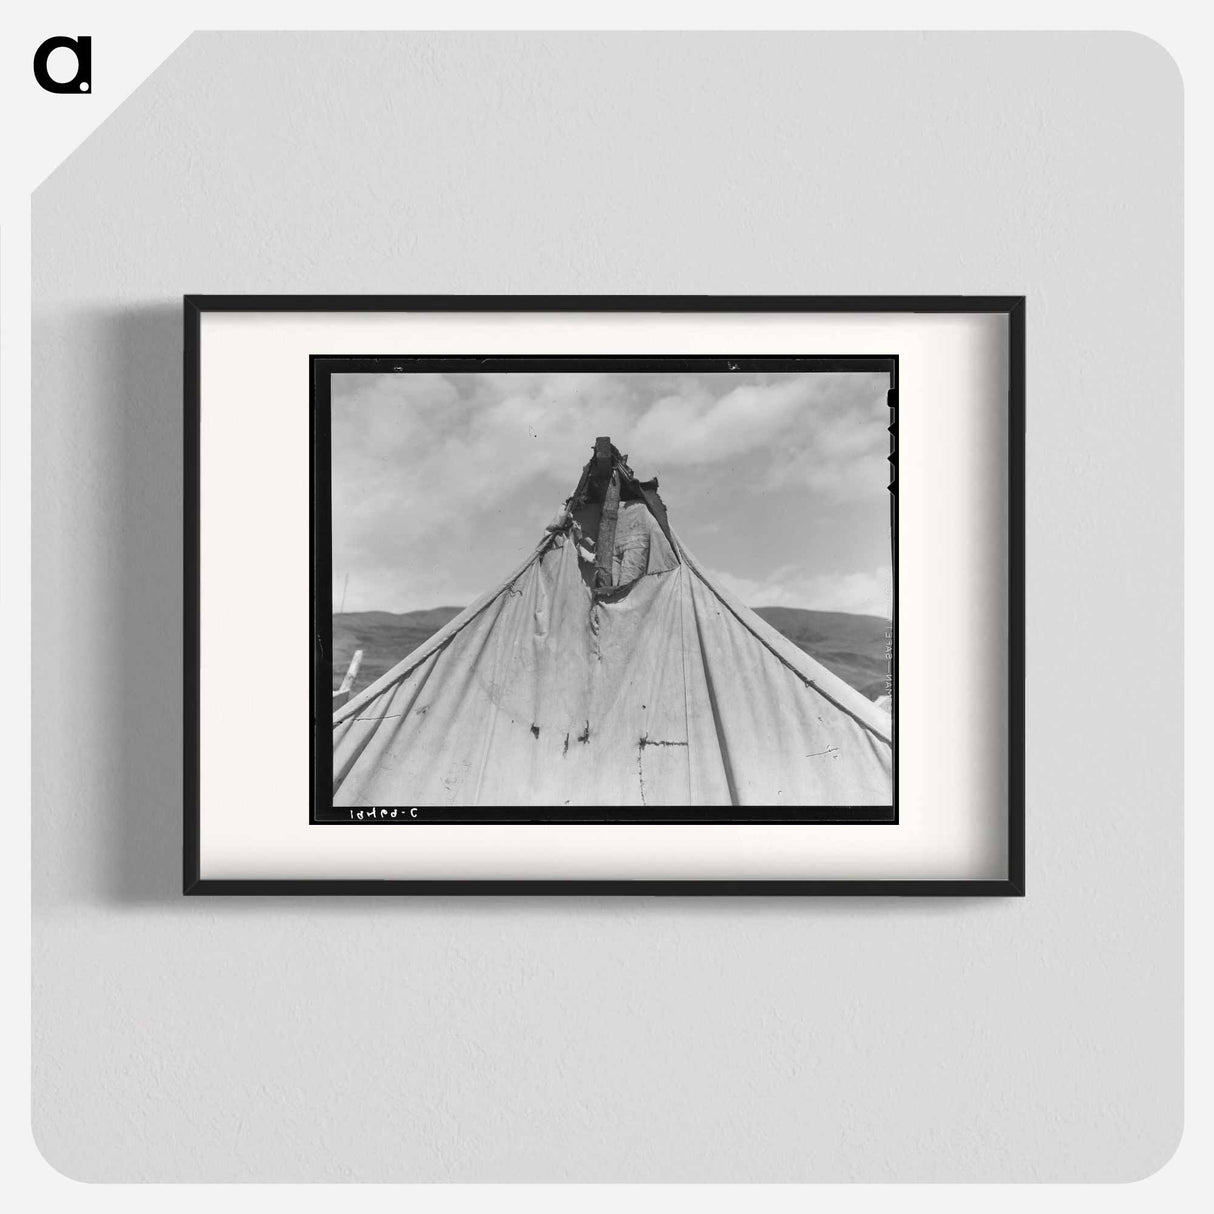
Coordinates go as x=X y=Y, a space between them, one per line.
x=1017 y=430
x=926 y=304
x=612 y=886
x=192 y=310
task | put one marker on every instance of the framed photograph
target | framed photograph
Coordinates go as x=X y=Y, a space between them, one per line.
x=604 y=595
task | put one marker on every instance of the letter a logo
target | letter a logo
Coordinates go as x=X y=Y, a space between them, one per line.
x=82 y=81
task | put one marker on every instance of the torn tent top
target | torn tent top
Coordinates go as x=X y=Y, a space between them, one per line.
x=609 y=669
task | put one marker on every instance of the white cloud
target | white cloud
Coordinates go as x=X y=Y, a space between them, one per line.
x=824 y=432
x=420 y=442
x=441 y=483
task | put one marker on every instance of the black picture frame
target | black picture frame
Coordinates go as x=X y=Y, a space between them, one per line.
x=1010 y=306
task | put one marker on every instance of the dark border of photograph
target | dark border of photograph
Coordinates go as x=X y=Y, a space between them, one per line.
x=322 y=812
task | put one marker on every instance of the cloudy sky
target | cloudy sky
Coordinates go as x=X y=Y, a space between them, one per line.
x=775 y=482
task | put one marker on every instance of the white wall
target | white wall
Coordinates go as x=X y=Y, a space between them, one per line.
x=621 y=1039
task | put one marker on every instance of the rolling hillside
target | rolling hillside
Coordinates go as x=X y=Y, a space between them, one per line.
x=852 y=646
x=383 y=637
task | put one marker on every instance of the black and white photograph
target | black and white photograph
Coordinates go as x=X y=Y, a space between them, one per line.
x=605 y=589
x=667 y=580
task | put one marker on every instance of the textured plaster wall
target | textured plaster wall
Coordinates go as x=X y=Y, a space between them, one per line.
x=628 y=1039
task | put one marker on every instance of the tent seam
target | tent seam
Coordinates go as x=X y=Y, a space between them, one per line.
x=396 y=674
x=789 y=666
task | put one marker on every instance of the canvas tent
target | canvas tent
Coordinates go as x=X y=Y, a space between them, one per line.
x=609 y=669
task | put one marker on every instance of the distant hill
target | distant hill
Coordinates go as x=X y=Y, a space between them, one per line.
x=852 y=646
x=383 y=637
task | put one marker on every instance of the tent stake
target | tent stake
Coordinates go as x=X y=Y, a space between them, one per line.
x=342 y=694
